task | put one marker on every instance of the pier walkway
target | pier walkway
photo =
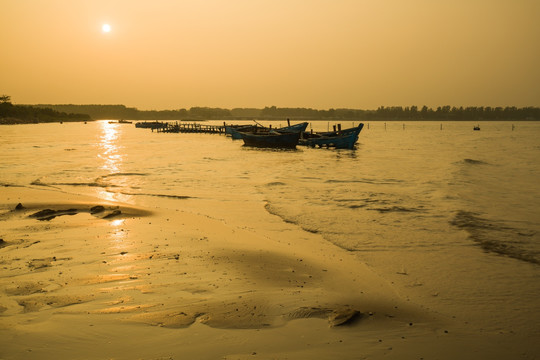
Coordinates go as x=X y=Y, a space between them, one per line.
x=191 y=128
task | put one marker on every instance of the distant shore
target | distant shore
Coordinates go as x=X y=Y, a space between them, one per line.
x=16 y=121
x=391 y=113
x=33 y=114
x=18 y=114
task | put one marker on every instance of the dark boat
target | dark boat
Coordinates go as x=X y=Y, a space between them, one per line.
x=271 y=139
x=151 y=125
x=477 y=127
x=294 y=128
x=120 y=122
x=235 y=131
x=341 y=139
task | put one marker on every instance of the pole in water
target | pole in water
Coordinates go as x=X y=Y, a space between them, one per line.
x=403 y=126
x=384 y=126
x=512 y=127
x=441 y=126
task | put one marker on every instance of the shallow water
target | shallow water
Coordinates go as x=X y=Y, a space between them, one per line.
x=451 y=215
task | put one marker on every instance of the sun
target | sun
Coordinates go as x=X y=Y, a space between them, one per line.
x=106 y=28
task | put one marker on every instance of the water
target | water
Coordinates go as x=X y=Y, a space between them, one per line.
x=451 y=216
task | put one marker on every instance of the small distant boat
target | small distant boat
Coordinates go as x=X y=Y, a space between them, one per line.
x=271 y=139
x=477 y=127
x=341 y=139
x=120 y=122
x=151 y=125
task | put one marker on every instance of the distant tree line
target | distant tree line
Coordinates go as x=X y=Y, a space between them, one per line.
x=98 y=112
x=18 y=114
x=456 y=114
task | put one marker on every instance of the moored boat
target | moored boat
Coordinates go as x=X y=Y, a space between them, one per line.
x=151 y=125
x=120 y=122
x=341 y=139
x=235 y=131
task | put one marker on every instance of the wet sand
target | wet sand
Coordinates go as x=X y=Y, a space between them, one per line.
x=82 y=278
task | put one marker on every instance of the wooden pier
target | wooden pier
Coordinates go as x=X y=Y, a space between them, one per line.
x=191 y=128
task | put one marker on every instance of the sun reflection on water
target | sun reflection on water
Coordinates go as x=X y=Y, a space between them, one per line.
x=112 y=158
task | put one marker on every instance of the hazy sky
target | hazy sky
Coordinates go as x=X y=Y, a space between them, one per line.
x=170 y=54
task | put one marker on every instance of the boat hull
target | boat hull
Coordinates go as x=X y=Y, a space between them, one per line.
x=271 y=140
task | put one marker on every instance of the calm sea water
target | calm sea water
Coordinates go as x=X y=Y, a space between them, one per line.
x=414 y=197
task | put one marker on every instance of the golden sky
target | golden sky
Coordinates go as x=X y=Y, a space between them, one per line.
x=170 y=54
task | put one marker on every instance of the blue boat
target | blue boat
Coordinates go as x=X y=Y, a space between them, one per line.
x=235 y=131
x=341 y=139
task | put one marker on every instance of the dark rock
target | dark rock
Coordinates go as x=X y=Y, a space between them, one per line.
x=112 y=214
x=19 y=206
x=44 y=213
x=344 y=317
x=96 y=209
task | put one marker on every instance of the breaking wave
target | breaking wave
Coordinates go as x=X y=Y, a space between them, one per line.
x=496 y=237
x=365 y=181
x=98 y=182
x=158 y=195
x=475 y=162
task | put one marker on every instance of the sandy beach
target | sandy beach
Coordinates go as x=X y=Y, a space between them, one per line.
x=83 y=278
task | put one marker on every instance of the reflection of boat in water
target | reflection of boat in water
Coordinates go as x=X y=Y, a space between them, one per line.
x=477 y=127
x=271 y=139
x=341 y=139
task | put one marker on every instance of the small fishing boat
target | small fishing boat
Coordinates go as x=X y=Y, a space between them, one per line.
x=294 y=128
x=271 y=139
x=477 y=127
x=120 y=122
x=235 y=131
x=341 y=139
x=151 y=125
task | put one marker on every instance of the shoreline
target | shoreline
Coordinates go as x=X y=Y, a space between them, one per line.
x=163 y=281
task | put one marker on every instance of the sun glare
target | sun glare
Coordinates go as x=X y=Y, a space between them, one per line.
x=106 y=28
